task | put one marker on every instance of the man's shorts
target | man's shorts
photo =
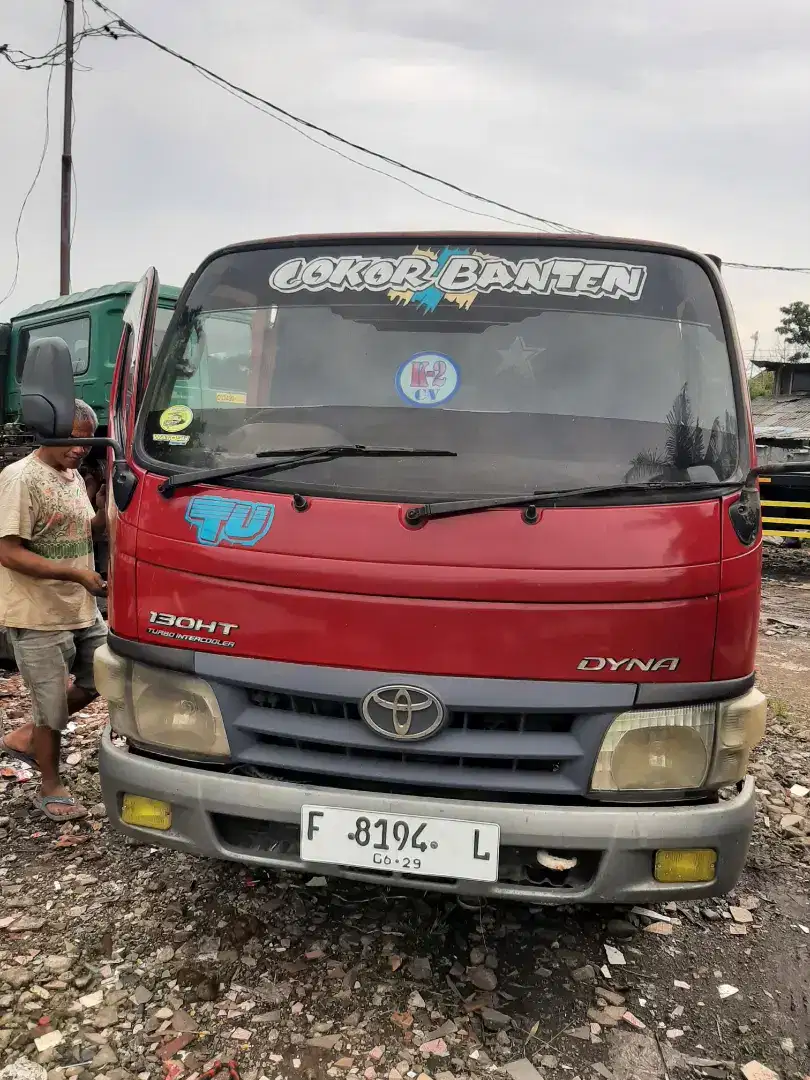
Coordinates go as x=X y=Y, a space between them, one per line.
x=45 y=660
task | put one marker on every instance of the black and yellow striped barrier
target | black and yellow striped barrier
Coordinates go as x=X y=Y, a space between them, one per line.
x=788 y=512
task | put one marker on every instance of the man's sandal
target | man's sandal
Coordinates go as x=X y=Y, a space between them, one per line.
x=18 y=755
x=42 y=802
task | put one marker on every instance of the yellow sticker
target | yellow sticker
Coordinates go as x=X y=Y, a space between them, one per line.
x=176 y=418
x=232 y=399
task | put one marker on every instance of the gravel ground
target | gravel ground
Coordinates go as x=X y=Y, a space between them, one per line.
x=118 y=960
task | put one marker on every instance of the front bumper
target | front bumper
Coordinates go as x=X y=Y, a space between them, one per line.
x=619 y=841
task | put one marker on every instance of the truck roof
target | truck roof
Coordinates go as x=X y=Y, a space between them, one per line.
x=103 y=292
x=593 y=240
x=469 y=235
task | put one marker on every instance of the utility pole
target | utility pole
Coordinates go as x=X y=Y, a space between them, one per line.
x=67 y=155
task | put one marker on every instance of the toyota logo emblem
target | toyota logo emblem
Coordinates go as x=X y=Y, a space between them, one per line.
x=403 y=712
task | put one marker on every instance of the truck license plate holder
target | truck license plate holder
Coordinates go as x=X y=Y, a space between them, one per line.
x=400 y=843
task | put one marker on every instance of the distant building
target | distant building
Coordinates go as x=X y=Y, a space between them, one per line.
x=782 y=433
x=782 y=421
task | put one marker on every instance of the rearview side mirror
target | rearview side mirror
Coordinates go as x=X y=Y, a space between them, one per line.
x=48 y=395
x=47 y=389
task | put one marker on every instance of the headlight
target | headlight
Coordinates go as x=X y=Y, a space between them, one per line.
x=161 y=708
x=112 y=674
x=688 y=748
x=741 y=727
x=656 y=750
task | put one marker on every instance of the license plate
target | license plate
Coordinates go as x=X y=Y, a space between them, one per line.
x=429 y=847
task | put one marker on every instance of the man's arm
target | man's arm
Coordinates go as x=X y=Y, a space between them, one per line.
x=98 y=524
x=15 y=556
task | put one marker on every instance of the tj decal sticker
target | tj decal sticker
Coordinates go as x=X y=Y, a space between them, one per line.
x=229 y=398
x=186 y=628
x=458 y=276
x=176 y=418
x=229 y=521
x=427 y=379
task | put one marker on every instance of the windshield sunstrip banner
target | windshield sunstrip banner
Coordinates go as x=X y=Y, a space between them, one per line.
x=458 y=275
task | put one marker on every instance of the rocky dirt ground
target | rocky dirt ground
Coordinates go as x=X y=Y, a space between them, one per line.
x=123 y=961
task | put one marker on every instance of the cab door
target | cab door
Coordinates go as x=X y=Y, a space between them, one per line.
x=131 y=365
x=134 y=358
x=129 y=378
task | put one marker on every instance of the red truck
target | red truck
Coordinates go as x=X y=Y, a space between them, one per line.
x=434 y=559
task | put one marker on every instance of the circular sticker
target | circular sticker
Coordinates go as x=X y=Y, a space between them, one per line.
x=176 y=418
x=426 y=379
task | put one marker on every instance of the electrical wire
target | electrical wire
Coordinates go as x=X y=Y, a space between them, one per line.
x=759 y=266
x=121 y=27
x=365 y=164
x=55 y=57
x=305 y=127
x=298 y=122
x=37 y=174
x=73 y=179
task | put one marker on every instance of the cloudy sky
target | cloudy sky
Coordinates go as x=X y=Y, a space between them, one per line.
x=684 y=121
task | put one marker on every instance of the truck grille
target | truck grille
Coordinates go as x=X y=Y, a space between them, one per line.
x=463 y=721
x=520 y=753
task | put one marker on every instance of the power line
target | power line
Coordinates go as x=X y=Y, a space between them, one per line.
x=37 y=174
x=25 y=61
x=334 y=150
x=364 y=164
x=74 y=181
x=310 y=131
x=756 y=266
x=299 y=122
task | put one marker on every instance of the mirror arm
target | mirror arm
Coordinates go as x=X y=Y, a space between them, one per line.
x=124 y=480
x=779 y=468
x=746 y=511
x=117 y=449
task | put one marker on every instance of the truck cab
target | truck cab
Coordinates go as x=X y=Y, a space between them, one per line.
x=436 y=560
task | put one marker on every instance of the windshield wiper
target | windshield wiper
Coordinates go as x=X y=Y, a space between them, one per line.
x=302 y=455
x=535 y=499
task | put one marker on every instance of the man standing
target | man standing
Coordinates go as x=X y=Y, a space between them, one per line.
x=48 y=585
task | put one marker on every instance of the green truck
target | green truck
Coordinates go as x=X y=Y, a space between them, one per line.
x=90 y=323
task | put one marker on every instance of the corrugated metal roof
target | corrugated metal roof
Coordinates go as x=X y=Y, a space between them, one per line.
x=775 y=365
x=120 y=288
x=782 y=417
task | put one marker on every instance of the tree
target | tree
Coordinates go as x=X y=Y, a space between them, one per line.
x=795 y=329
x=686 y=447
x=761 y=385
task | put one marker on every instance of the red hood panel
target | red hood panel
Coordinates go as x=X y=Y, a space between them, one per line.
x=438 y=637
x=347 y=584
x=569 y=555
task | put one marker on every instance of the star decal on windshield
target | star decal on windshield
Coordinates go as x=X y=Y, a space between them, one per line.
x=518 y=357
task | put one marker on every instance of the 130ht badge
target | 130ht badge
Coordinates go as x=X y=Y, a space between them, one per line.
x=186 y=628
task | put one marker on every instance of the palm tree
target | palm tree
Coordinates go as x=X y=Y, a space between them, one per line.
x=685 y=446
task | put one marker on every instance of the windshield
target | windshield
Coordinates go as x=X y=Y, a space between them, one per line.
x=540 y=366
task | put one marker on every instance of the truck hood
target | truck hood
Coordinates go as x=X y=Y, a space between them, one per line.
x=622 y=593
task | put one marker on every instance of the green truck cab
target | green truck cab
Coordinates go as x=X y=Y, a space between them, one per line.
x=90 y=323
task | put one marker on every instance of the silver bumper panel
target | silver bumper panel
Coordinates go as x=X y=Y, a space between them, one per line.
x=620 y=841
